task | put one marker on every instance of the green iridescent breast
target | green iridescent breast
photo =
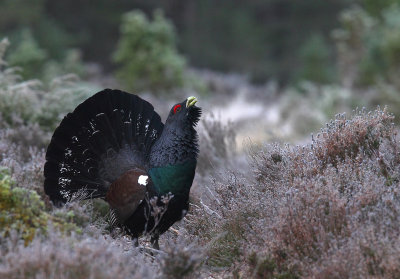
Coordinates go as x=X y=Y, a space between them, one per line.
x=176 y=179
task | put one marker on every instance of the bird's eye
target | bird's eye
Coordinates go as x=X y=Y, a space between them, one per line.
x=177 y=108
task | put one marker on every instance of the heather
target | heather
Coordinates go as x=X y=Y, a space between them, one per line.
x=326 y=209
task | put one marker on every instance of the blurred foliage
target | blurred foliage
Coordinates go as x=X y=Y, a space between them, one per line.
x=19 y=12
x=259 y=38
x=37 y=62
x=375 y=8
x=315 y=56
x=283 y=40
x=40 y=44
x=27 y=54
x=287 y=41
x=147 y=54
x=217 y=143
x=369 y=46
x=71 y=63
x=34 y=101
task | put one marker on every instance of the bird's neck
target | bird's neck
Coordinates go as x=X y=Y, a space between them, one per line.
x=174 y=147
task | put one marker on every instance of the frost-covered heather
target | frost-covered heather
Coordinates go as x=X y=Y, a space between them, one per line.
x=330 y=209
x=34 y=102
x=75 y=256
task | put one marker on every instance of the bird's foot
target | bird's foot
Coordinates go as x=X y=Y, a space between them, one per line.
x=154 y=243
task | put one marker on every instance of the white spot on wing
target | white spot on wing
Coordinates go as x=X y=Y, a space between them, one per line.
x=143 y=180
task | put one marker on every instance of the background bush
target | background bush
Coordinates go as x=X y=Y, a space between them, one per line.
x=368 y=46
x=147 y=54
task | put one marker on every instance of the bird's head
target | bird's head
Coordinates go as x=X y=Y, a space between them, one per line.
x=178 y=141
x=184 y=114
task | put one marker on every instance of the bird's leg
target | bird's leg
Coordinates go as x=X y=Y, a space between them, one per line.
x=154 y=242
x=136 y=242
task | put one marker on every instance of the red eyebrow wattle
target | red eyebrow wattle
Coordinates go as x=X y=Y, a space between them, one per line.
x=176 y=107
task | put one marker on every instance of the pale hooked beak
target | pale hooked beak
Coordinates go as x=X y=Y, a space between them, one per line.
x=191 y=101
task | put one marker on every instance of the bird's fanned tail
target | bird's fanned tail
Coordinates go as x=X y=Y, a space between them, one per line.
x=105 y=136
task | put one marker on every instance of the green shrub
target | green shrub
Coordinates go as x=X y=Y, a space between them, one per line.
x=315 y=55
x=34 y=61
x=368 y=46
x=147 y=54
x=23 y=210
x=36 y=102
x=28 y=55
x=375 y=7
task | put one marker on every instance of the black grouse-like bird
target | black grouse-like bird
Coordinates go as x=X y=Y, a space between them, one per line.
x=114 y=146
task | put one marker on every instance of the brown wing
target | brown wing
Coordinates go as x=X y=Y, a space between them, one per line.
x=127 y=192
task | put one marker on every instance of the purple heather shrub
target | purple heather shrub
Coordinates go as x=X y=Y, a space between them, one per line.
x=75 y=256
x=329 y=209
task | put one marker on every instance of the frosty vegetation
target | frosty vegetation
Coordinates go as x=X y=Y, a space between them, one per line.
x=328 y=209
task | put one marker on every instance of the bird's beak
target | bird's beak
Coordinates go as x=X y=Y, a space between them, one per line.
x=191 y=101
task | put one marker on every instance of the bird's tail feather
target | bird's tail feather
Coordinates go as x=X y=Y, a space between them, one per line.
x=106 y=135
